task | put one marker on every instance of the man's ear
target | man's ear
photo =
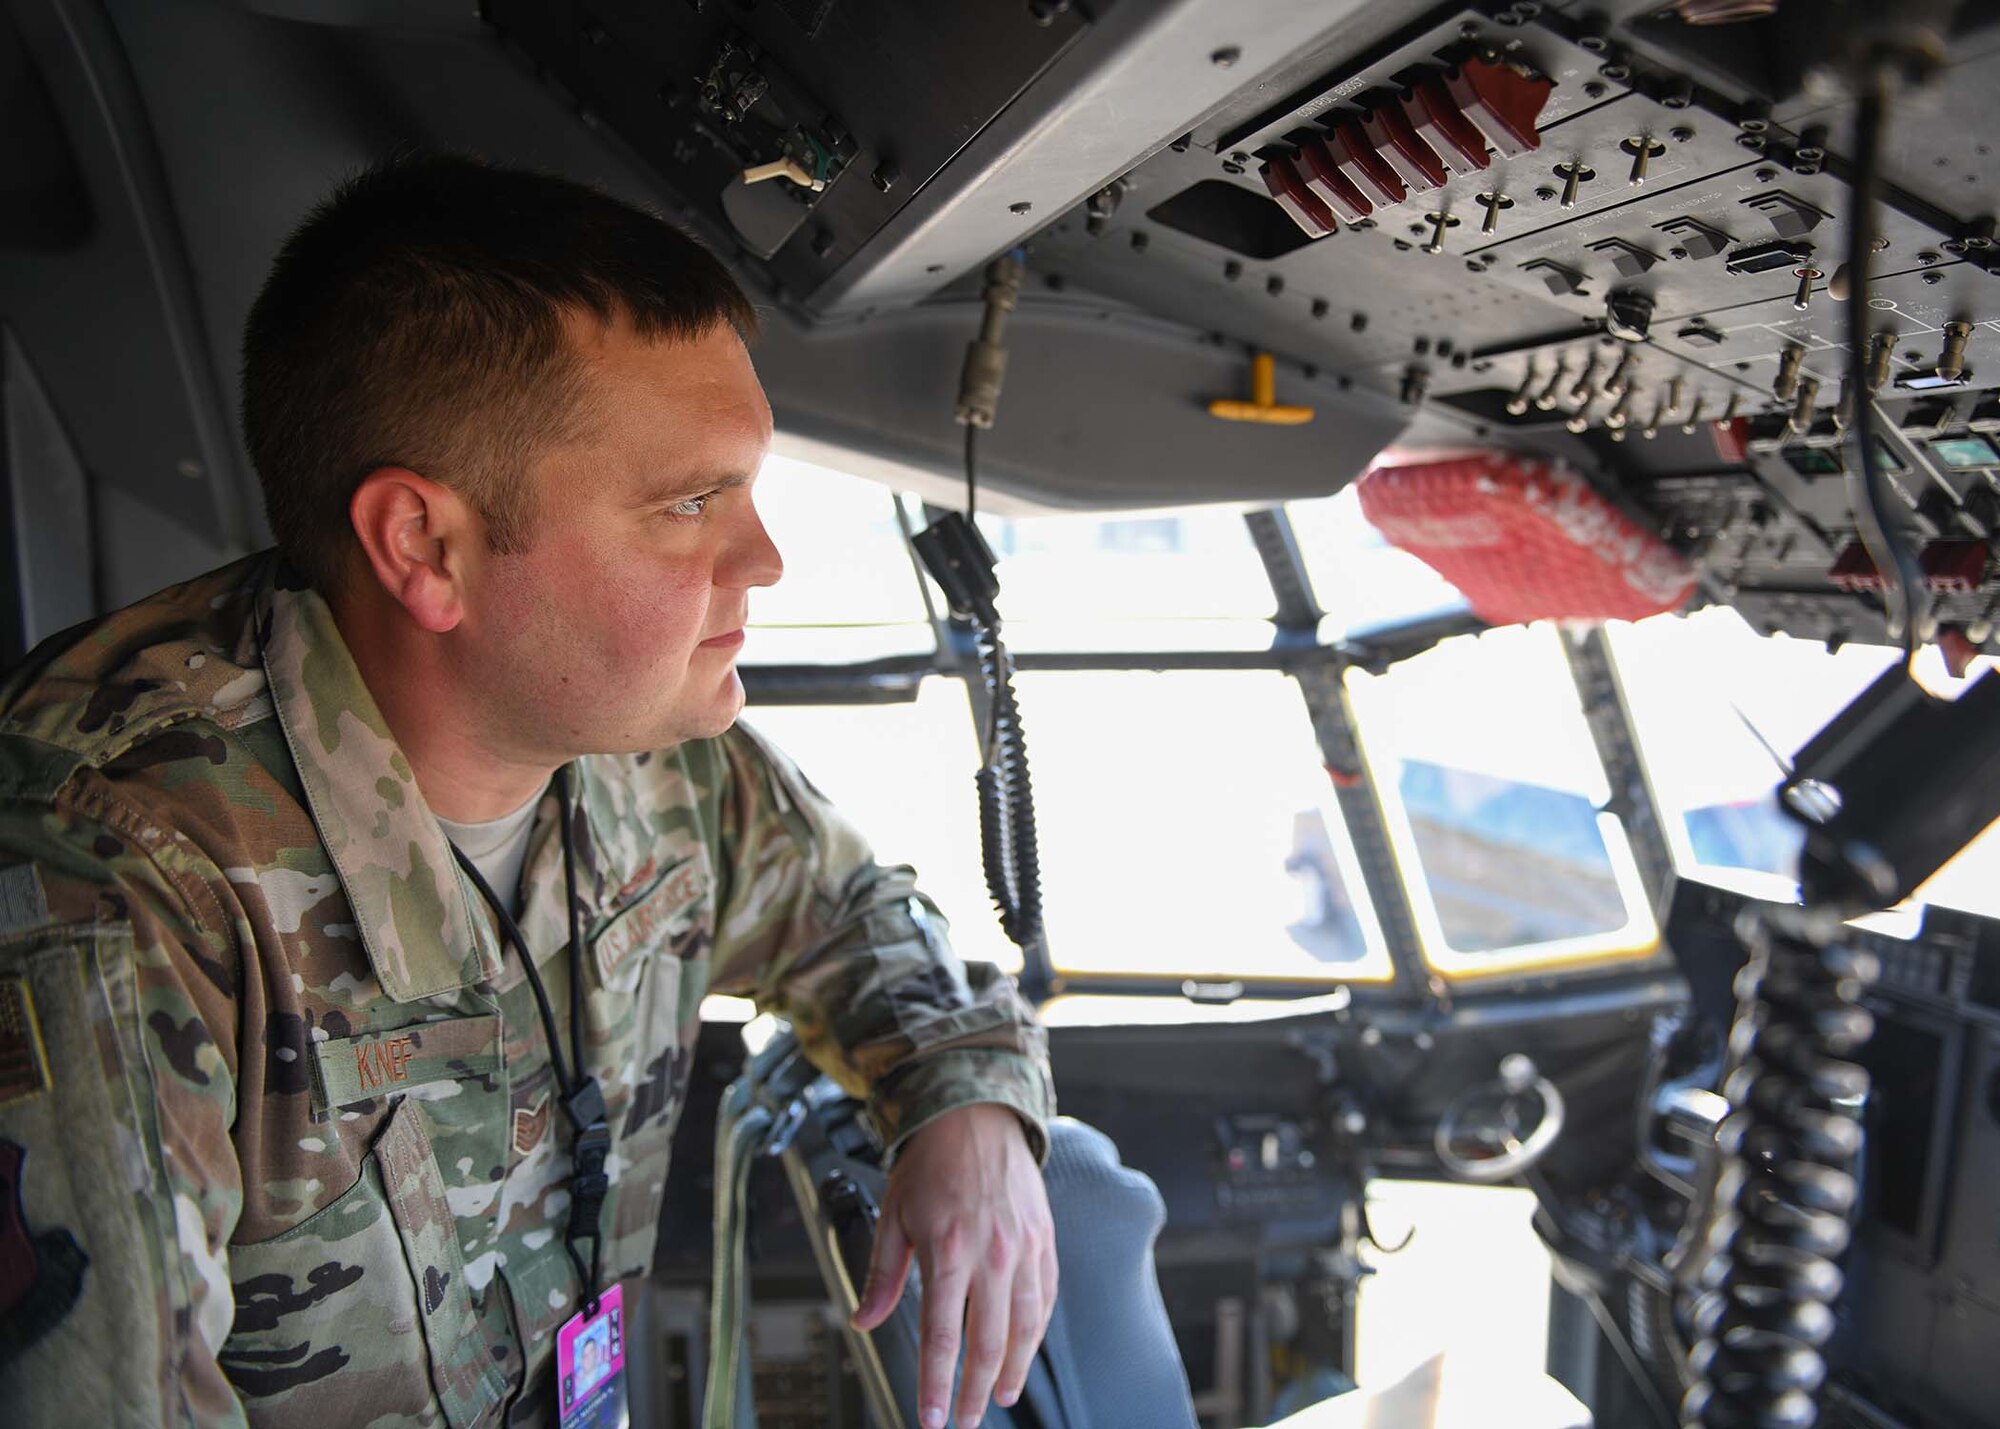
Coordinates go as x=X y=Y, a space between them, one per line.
x=415 y=534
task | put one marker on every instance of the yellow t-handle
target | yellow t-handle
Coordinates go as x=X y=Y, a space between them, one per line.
x=1263 y=404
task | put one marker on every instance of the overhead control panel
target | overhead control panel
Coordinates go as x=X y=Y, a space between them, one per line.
x=1614 y=235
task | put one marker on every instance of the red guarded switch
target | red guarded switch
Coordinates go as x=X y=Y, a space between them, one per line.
x=1439 y=122
x=1502 y=101
x=1324 y=178
x=1308 y=211
x=1389 y=129
x=1365 y=169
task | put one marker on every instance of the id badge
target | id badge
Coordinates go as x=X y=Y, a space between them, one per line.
x=590 y=1366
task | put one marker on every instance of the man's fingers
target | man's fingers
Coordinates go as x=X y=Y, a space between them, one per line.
x=986 y=1319
x=1025 y=1321
x=945 y=1277
x=888 y=1270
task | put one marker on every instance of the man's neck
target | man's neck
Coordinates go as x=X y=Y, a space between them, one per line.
x=464 y=775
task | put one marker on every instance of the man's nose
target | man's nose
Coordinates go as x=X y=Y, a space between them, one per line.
x=753 y=558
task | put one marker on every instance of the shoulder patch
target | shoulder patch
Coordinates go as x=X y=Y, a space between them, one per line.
x=23 y=904
x=24 y=1063
x=41 y=1272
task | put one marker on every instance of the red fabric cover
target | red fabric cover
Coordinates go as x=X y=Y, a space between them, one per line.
x=1524 y=538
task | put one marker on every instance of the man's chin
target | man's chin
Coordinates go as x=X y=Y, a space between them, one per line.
x=723 y=713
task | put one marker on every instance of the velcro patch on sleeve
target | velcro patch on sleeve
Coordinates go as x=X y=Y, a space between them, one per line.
x=399 y=1059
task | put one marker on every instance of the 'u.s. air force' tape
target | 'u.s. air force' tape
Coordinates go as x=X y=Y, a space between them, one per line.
x=400 y=1059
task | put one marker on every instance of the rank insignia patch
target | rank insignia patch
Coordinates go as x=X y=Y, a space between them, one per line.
x=531 y=1123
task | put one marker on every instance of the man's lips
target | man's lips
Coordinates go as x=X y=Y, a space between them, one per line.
x=729 y=640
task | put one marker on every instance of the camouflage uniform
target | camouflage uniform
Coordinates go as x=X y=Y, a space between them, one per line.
x=275 y=1077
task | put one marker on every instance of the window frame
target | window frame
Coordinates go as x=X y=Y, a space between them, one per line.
x=1391 y=884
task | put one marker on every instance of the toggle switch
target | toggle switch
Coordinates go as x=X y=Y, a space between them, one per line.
x=1573 y=172
x=1786 y=383
x=1643 y=148
x=1495 y=204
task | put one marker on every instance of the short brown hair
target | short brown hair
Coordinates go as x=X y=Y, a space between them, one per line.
x=415 y=318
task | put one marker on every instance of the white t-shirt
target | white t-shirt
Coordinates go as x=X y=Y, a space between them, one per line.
x=497 y=848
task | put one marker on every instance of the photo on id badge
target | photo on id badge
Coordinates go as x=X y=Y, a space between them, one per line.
x=590 y=1366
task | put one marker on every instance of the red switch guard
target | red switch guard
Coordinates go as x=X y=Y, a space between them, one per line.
x=1524 y=538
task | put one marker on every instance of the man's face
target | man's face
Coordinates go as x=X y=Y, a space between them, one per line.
x=617 y=629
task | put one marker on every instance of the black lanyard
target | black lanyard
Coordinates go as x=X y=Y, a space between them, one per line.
x=582 y=1101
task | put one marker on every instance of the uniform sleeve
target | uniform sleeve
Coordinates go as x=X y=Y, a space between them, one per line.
x=117 y=1094
x=857 y=959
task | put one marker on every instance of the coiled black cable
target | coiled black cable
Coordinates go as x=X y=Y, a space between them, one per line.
x=1008 y=846
x=1788 y=1181
x=1649 y=1311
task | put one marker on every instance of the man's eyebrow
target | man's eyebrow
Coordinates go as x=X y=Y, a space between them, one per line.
x=680 y=489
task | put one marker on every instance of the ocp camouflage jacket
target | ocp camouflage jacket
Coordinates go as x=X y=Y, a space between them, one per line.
x=281 y=1114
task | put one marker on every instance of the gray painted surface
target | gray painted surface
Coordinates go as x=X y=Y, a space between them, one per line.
x=1102 y=407
x=47 y=489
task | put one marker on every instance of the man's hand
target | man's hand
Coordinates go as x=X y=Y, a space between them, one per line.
x=965 y=1198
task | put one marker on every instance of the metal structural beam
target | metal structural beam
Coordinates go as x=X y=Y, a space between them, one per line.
x=1610 y=719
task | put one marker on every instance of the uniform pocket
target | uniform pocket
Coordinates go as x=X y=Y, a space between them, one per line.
x=370 y=1288
x=468 y=1382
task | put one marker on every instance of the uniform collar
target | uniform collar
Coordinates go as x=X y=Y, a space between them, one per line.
x=410 y=902
x=416 y=912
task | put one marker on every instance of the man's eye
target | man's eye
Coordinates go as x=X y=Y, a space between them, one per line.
x=693 y=506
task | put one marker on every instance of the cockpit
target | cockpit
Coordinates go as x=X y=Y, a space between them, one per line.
x=1423 y=577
